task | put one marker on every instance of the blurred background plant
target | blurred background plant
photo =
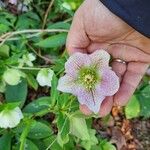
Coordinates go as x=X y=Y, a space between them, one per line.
x=32 y=54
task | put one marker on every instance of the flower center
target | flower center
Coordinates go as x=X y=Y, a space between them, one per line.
x=88 y=77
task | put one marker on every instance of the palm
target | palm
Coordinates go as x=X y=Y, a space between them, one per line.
x=100 y=29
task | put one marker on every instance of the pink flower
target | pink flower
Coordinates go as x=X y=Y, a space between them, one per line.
x=13 y=2
x=90 y=78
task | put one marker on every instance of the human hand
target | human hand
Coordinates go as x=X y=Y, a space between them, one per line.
x=95 y=27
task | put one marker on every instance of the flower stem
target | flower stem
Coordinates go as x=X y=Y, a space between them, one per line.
x=24 y=135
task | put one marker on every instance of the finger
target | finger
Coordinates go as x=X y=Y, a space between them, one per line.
x=106 y=106
x=77 y=39
x=96 y=46
x=128 y=53
x=84 y=109
x=131 y=79
x=119 y=69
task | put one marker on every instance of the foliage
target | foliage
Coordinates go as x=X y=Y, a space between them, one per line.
x=52 y=119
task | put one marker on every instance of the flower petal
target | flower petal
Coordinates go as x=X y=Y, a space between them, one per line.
x=110 y=82
x=44 y=77
x=11 y=118
x=92 y=99
x=75 y=62
x=12 y=76
x=100 y=58
x=66 y=84
x=14 y=2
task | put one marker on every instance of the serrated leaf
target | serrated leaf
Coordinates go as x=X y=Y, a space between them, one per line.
x=132 y=109
x=37 y=105
x=17 y=93
x=53 y=41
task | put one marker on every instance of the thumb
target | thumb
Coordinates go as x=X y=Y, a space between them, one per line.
x=77 y=40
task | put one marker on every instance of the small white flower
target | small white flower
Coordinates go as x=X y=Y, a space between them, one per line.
x=10 y=118
x=12 y=76
x=26 y=2
x=27 y=59
x=44 y=77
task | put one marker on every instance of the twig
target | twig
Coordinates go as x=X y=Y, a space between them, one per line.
x=68 y=20
x=47 y=12
x=39 y=55
x=8 y=35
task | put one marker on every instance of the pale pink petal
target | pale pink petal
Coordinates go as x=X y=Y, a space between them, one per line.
x=66 y=84
x=13 y=2
x=109 y=83
x=75 y=62
x=92 y=99
x=100 y=58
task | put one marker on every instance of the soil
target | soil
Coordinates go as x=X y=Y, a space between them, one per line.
x=123 y=133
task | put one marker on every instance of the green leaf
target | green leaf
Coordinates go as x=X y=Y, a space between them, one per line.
x=144 y=100
x=53 y=41
x=37 y=105
x=52 y=142
x=104 y=145
x=78 y=127
x=32 y=81
x=29 y=145
x=9 y=106
x=63 y=129
x=146 y=92
x=132 y=109
x=59 y=25
x=3 y=28
x=17 y=93
x=27 y=20
x=2 y=86
x=5 y=142
x=54 y=92
x=63 y=101
x=39 y=130
x=4 y=50
x=87 y=144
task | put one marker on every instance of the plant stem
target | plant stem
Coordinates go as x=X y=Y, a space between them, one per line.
x=46 y=14
x=8 y=35
x=39 y=55
x=24 y=135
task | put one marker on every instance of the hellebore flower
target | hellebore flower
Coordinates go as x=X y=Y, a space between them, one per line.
x=90 y=78
x=13 y=2
x=10 y=118
x=44 y=77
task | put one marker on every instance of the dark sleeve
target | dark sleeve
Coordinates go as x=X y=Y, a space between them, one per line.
x=134 y=12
